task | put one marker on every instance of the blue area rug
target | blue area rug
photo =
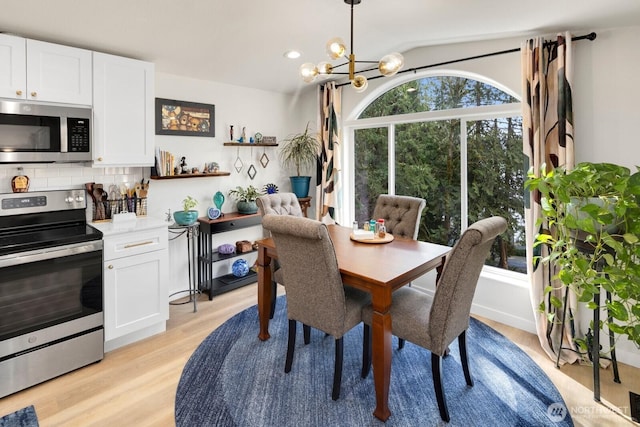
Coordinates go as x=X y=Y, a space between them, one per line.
x=25 y=417
x=234 y=379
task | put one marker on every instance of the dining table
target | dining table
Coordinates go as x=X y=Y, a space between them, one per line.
x=378 y=269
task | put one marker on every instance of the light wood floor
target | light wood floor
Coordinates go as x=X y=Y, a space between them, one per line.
x=136 y=385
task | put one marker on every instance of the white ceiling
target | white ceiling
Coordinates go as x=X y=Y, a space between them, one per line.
x=242 y=42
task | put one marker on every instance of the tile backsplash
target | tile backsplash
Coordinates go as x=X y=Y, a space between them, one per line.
x=62 y=176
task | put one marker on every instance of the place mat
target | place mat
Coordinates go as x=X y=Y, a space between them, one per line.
x=386 y=239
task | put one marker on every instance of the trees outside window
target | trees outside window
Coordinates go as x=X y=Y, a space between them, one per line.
x=455 y=142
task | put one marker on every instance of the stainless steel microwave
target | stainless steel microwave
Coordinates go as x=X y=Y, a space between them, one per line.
x=40 y=133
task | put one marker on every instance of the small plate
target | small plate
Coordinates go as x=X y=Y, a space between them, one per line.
x=213 y=213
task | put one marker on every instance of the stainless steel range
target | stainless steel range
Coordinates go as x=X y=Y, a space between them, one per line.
x=51 y=319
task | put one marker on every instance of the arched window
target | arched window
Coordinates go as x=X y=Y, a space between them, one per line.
x=457 y=143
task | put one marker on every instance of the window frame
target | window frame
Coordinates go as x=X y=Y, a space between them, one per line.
x=464 y=115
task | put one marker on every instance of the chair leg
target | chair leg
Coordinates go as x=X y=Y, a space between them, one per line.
x=436 y=372
x=400 y=343
x=306 y=332
x=337 y=370
x=290 y=345
x=274 y=290
x=462 y=345
x=366 y=351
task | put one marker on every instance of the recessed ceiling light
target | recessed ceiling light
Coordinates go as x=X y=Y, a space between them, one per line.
x=292 y=54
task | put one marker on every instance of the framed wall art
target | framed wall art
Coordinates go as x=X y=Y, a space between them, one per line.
x=184 y=118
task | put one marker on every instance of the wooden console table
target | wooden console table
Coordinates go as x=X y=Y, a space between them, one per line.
x=207 y=257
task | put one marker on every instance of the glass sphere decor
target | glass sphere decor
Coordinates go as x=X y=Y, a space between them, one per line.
x=240 y=268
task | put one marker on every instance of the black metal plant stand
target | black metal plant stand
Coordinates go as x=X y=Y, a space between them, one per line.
x=593 y=339
x=192 y=234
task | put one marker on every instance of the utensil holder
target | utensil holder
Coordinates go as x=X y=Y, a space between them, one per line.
x=104 y=210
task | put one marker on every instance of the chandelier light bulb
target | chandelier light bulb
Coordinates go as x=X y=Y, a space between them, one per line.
x=325 y=68
x=308 y=72
x=359 y=83
x=336 y=48
x=390 y=64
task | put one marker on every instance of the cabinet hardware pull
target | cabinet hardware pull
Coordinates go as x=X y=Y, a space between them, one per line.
x=18 y=92
x=133 y=245
x=110 y=267
x=34 y=94
x=99 y=159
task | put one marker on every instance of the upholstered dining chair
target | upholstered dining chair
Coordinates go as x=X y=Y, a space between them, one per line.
x=401 y=216
x=279 y=204
x=434 y=322
x=316 y=295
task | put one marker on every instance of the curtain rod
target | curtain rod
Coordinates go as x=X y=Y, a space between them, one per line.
x=591 y=36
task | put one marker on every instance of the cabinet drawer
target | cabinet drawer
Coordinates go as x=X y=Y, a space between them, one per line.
x=135 y=243
x=235 y=223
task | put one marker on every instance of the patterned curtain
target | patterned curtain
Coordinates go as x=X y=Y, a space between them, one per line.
x=547 y=72
x=329 y=168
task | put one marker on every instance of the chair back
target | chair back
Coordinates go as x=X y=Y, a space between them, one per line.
x=401 y=214
x=279 y=204
x=451 y=307
x=315 y=293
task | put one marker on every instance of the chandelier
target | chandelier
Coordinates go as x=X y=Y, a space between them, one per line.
x=388 y=66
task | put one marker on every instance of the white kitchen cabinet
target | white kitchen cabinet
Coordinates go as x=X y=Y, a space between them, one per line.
x=123 y=118
x=136 y=274
x=57 y=73
x=13 y=72
x=41 y=71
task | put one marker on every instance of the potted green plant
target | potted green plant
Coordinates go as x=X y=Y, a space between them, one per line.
x=246 y=199
x=187 y=215
x=300 y=151
x=591 y=227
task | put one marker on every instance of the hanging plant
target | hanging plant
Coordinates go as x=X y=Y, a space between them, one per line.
x=592 y=214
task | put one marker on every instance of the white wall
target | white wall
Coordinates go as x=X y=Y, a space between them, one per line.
x=606 y=113
x=269 y=113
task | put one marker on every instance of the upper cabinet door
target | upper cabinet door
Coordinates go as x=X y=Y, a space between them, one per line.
x=58 y=73
x=13 y=63
x=123 y=103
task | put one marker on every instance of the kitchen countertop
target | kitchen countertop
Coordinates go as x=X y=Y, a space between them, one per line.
x=129 y=224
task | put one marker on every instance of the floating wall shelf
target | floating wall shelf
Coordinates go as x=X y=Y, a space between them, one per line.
x=191 y=175
x=248 y=144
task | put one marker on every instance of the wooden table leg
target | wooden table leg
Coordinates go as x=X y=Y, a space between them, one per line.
x=381 y=352
x=264 y=292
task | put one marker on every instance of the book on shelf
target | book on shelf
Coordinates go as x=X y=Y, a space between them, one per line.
x=165 y=162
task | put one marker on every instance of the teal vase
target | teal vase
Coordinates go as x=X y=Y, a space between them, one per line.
x=218 y=200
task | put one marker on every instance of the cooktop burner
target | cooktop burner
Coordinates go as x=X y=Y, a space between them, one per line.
x=38 y=220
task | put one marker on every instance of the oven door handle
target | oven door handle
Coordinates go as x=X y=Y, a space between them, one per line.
x=49 y=253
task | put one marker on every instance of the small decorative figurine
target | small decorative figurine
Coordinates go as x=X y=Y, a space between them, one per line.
x=244 y=135
x=183 y=166
x=231 y=133
x=270 y=188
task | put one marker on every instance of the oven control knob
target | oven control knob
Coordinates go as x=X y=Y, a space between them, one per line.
x=69 y=199
x=79 y=198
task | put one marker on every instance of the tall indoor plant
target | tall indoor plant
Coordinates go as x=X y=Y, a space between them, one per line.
x=300 y=150
x=591 y=227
